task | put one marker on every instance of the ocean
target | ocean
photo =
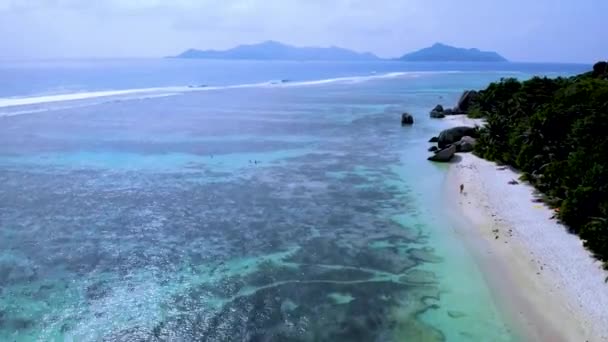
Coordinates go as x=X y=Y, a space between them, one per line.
x=190 y=200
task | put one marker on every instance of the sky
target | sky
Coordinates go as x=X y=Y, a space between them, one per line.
x=520 y=30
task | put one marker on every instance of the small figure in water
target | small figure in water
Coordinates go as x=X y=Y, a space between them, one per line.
x=461 y=188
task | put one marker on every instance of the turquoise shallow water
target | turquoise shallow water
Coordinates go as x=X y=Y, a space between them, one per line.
x=301 y=213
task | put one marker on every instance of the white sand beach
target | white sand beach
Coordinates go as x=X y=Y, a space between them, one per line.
x=548 y=282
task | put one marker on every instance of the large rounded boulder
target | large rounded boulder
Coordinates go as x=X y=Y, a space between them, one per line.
x=466 y=101
x=407 y=119
x=444 y=155
x=600 y=69
x=466 y=144
x=437 y=112
x=453 y=135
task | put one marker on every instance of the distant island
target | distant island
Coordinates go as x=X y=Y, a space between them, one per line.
x=445 y=53
x=271 y=50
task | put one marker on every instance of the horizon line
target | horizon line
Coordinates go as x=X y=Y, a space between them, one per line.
x=380 y=59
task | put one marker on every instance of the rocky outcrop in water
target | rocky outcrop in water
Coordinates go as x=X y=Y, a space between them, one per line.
x=407 y=119
x=464 y=105
x=437 y=112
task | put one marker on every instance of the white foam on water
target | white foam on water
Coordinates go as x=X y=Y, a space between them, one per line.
x=24 y=101
x=141 y=93
x=351 y=79
x=145 y=93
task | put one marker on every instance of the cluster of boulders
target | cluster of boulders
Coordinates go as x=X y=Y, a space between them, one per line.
x=438 y=112
x=451 y=141
x=464 y=105
x=454 y=135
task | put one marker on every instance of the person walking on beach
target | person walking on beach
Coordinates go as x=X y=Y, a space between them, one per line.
x=461 y=188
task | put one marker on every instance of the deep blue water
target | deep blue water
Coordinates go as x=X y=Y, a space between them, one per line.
x=276 y=212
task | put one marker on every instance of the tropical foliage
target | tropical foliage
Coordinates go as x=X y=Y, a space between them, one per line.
x=556 y=132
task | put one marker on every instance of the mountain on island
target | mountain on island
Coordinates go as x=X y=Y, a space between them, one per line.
x=271 y=50
x=445 y=53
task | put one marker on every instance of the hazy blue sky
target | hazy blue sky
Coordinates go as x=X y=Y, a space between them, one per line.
x=521 y=30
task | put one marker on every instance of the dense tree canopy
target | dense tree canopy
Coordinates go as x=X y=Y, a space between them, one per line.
x=556 y=132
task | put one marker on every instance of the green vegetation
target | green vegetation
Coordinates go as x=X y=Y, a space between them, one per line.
x=556 y=132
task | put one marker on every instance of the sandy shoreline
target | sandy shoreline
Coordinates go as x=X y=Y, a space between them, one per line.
x=551 y=287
